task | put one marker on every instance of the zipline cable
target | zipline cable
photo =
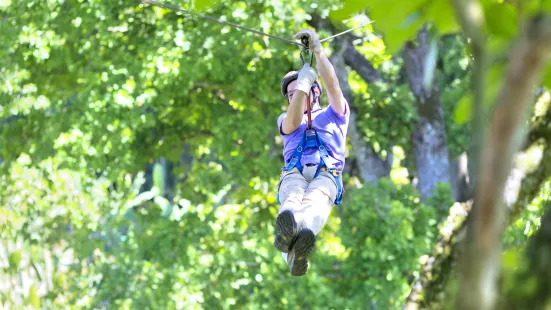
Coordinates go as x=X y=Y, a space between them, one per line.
x=347 y=31
x=223 y=22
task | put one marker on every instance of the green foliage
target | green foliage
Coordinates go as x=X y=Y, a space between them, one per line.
x=386 y=230
x=387 y=108
x=135 y=255
x=95 y=92
x=387 y=119
x=454 y=81
x=400 y=22
x=529 y=220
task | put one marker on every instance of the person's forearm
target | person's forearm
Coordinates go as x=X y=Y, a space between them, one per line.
x=327 y=72
x=294 y=115
x=331 y=83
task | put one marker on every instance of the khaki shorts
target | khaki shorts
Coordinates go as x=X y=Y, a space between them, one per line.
x=310 y=199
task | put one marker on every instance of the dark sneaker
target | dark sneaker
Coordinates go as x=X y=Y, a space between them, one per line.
x=286 y=231
x=297 y=259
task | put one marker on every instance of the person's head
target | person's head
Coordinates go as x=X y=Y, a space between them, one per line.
x=288 y=84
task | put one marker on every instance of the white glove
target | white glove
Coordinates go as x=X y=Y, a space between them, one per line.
x=306 y=78
x=313 y=39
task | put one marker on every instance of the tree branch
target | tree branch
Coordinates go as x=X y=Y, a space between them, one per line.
x=371 y=166
x=471 y=17
x=352 y=57
x=429 y=139
x=539 y=130
x=360 y=64
x=437 y=269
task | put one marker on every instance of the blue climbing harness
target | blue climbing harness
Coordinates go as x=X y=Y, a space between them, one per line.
x=310 y=139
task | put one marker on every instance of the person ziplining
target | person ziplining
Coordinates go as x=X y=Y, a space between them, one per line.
x=314 y=145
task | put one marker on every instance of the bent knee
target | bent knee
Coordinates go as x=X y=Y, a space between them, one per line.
x=324 y=184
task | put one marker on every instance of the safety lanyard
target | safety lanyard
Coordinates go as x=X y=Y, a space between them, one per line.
x=306 y=50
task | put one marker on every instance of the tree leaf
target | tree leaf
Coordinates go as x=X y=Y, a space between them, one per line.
x=34 y=299
x=546 y=78
x=203 y=5
x=398 y=21
x=546 y=5
x=14 y=260
x=462 y=112
x=494 y=78
x=441 y=12
x=349 y=8
x=501 y=19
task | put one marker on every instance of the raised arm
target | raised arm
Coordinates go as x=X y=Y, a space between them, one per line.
x=293 y=118
x=326 y=72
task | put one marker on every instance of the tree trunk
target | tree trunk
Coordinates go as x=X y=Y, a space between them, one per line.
x=460 y=178
x=429 y=137
x=429 y=141
x=427 y=290
x=480 y=263
x=148 y=182
x=370 y=165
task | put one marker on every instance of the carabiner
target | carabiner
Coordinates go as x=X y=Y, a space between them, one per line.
x=304 y=41
x=307 y=51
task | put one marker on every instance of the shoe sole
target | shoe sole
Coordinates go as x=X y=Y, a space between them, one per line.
x=304 y=245
x=285 y=231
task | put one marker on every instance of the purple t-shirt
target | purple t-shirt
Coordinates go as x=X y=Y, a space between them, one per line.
x=331 y=128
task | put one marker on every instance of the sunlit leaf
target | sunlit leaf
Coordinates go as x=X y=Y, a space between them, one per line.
x=462 y=112
x=15 y=259
x=34 y=299
x=494 y=80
